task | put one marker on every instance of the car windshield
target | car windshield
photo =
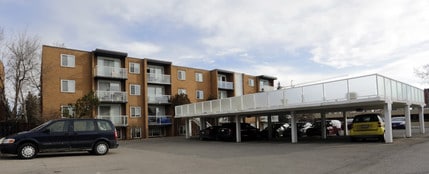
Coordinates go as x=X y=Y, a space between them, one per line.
x=40 y=126
x=398 y=118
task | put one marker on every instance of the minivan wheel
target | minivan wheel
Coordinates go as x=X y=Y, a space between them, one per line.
x=101 y=148
x=27 y=151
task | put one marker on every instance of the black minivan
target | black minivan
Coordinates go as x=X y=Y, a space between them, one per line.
x=96 y=136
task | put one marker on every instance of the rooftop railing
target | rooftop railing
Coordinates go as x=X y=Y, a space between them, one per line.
x=351 y=89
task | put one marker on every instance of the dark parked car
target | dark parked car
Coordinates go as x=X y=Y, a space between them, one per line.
x=210 y=133
x=96 y=136
x=278 y=130
x=332 y=128
x=398 y=122
x=248 y=132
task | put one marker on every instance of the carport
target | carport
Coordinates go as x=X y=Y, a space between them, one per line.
x=350 y=94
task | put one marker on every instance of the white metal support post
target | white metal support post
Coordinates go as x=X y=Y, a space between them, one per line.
x=422 y=119
x=407 y=121
x=323 y=123
x=257 y=122
x=203 y=124
x=270 y=128
x=388 y=122
x=238 y=128
x=187 y=130
x=294 y=128
x=346 y=128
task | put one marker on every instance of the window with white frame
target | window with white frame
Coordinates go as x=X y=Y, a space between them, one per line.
x=134 y=89
x=135 y=111
x=136 y=132
x=67 y=111
x=134 y=68
x=251 y=82
x=181 y=91
x=199 y=77
x=67 y=60
x=68 y=86
x=200 y=94
x=181 y=75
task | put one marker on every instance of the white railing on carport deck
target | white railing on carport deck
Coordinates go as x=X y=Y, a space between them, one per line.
x=369 y=87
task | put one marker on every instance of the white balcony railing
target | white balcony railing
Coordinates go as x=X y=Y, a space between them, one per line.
x=159 y=78
x=266 y=88
x=159 y=120
x=121 y=120
x=112 y=72
x=225 y=85
x=112 y=96
x=159 y=99
x=362 y=88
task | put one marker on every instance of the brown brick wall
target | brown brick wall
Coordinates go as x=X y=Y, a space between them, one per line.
x=53 y=73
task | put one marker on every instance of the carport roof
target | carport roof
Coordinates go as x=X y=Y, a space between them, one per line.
x=350 y=94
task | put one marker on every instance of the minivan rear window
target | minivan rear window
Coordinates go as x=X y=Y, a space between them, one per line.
x=104 y=125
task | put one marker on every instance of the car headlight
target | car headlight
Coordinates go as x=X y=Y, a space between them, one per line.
x=7 y=141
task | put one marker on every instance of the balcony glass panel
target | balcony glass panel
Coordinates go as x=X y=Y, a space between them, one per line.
x=293 y=95
x=207 y=107
x=236 y=103
x=159 y=78
x=112 y=96
x=225 y=85
x=198 y=108
x=276 y=98
x=154 y=120
x=261 y=100
x=313 y=93
x=121 y=120
x=381 y=86
x=159 y=99
x=266 y=88
x=336 y=91
x=363 y=87
x=225 y=104
x=112 y=72
x=216 y=106
x=248 y=102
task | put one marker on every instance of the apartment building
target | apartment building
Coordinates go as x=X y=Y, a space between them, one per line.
x=135 y=93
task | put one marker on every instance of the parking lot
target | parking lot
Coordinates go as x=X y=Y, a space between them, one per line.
x=178 y=155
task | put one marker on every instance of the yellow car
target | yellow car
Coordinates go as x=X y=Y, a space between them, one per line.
x=367 y=126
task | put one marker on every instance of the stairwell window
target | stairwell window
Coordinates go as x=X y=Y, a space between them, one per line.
x=199 y=77
x=67 y=60
x=135 y=111
x=181 y=91
x=67 y=111
x=134 y=68
x=200 y=94
x=181 y=75
x=251 y=82
x=68 y=86
x=134 y=89
x=136 y=132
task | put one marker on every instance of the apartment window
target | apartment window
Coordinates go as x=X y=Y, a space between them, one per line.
x=199 y=77
x=181 y=91
x=135 y=111
x=134 y=68
x=67 y=60
x=67 y=111
x=181 y=75
x=251 y=82
x=200 y=94
x=136 y=132
x=68 y=86
x=134 y=89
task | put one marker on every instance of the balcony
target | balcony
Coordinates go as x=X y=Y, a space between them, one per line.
x=266 y=88
x=119 y=121
x=159 y=99
x=225 y=85
x=159 y=78
x=111 y=72
x=159 y=120
x=112 y=96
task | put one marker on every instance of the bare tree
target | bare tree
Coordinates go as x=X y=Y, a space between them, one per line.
x=23 y=62
x=423 y=73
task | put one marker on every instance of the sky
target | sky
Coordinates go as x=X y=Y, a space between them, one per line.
x=297 y=41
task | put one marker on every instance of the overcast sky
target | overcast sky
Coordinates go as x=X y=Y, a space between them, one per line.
x=294 y=40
